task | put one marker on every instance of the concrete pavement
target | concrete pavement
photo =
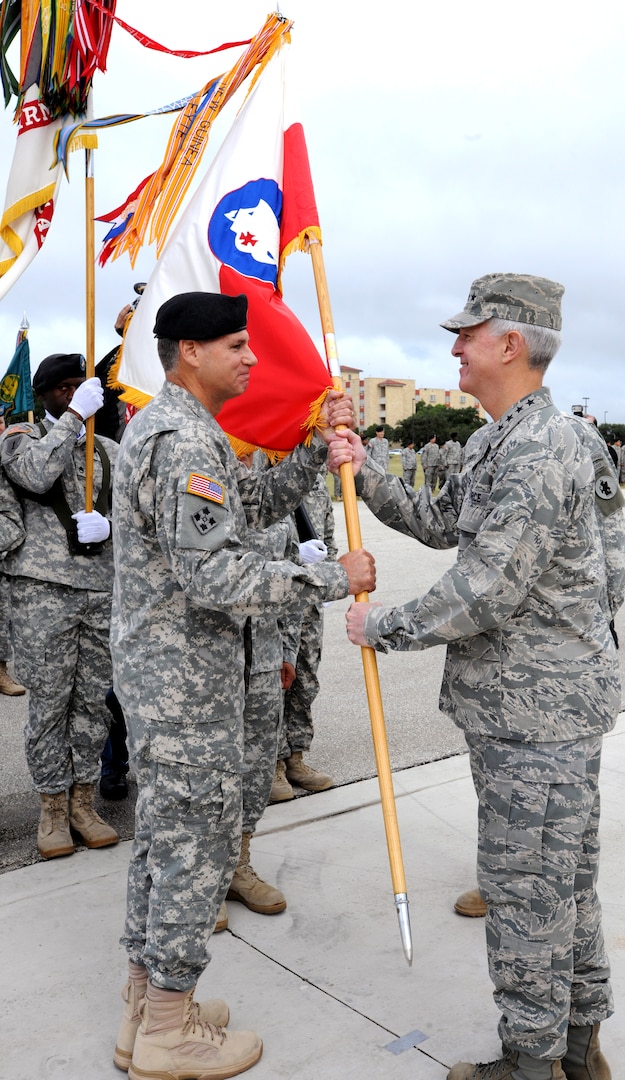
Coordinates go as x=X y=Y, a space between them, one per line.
x=325 y=983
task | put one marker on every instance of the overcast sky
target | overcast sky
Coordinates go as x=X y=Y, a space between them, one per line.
x=446 y=141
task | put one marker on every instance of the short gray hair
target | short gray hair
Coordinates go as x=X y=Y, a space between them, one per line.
x=542 y=342
x=168 y=352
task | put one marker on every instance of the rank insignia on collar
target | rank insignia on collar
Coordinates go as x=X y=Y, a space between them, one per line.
x=206 y=488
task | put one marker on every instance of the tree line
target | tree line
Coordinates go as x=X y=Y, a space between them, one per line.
x=429 y=420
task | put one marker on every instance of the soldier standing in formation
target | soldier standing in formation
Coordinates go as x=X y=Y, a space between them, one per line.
x=10 y=537
x=61 y=584
x=531 y=674
x=187 y=578
x=430 y=457
x=297 y=729
x=409 y=462
x=379 y=448
x=453 y=452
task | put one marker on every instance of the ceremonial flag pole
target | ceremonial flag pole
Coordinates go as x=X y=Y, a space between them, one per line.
x=90 y=318
x=369 y=661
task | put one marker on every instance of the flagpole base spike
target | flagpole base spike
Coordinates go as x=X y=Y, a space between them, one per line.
x=401 y=904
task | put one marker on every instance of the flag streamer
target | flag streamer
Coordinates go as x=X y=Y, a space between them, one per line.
x=158 y=200
x=254 y=203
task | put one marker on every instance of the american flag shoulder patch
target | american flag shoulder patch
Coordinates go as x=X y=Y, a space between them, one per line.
x=205 y=487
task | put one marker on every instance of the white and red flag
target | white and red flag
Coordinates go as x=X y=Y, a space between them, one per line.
x=255 y=205
x=32 y=190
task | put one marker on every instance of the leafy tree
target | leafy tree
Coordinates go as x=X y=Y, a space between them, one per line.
x=429 y=420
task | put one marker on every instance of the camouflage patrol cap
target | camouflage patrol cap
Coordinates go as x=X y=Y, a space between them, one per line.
x=517 y=297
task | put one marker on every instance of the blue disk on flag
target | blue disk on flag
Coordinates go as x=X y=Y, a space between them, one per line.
x=244 y=230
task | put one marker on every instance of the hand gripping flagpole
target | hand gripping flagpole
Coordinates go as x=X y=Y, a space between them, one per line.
x=90 y=319
x=369 y=661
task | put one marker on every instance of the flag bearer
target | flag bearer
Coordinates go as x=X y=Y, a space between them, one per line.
x=61 y=584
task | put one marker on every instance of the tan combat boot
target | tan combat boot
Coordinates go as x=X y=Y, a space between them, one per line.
x=471 y=904
x=249 y=889
x=8 y=685
x=584 y=1060
x=222 y=923
x=53 y=835
x=515 y=1065
x=281 y=790
x=84 y=820
x=173 y=1041
x=299 y=773
x=215 y=1011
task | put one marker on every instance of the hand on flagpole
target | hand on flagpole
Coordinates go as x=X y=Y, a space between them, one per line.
x=355 y=618
x=87 y=398
x=360 y=568
x=344 y=448
x=337 y=411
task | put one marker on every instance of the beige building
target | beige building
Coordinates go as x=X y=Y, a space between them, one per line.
x=453 y=399
x=388 y=401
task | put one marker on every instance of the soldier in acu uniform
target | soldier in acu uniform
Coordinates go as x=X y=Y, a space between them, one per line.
x=379 y=447
x=409 y=462
x=454 y=454
x=187 y=578
x=531 y=672
x=11 y=536
x=61 y=584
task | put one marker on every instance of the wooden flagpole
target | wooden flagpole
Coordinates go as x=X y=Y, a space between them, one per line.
x=369 y=661
x=90 y=320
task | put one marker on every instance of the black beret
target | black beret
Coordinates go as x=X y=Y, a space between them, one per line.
x=201 y=316
x=57 y=367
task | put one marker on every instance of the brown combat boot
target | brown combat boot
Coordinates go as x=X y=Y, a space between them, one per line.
x=53 y=835
x=298 y=772
x=8 y=685
x=584 y=1060
x=84 y=820
x=281 y=790
x=174 y=1042
x=215 y=1011
x=249 y=889
x=471 y=904
x=515 y=1065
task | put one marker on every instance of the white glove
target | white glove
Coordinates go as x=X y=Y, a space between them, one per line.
x=92 y=527
x=312 y=551
x=88 y=398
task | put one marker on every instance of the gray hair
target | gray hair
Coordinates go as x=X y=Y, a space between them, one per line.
x=168 y=352
x=542 y=342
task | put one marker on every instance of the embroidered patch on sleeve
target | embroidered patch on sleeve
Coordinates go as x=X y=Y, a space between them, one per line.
x=204 y=520
x=206 y=488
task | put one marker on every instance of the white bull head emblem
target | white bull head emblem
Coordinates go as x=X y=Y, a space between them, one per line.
x=256 y=232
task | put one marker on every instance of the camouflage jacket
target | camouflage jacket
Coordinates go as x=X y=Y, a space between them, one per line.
x=12 y=530
x=530 y=656
x=408 y=458
x=275 y=640
x=186 y=577
x=453 y=450
x=430 y=455
x=34 y=462
x=380 y=451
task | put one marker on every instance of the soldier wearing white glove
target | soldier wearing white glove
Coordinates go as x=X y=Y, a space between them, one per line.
x=312 y=551
x=87 y=398
x=92 y=527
